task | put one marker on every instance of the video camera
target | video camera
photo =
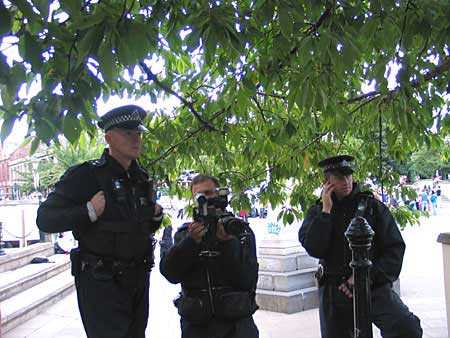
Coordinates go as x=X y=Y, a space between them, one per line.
x=211 y=211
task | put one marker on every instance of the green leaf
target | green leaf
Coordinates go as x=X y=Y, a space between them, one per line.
x=7 y=126
x=34 y=145
x=89 y=21
x=107 y=64
x=289 y=218
x=285 y=19
x=137 y=41
x=45 y=129
x=324 y=98
x=290 y=129
x=5 y=19
x=7 y=98
x=4 y=69
x=73 y=7
x=193 y=40
x=88 y=42
x=249 y=86
x=71 y=127
x=43 y=6
x=33 y=52
x=305 y=97
x=26 y=9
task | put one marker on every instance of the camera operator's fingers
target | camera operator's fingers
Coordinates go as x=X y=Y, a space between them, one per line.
x=221 y=234
x=196 y=231
x=98 y=202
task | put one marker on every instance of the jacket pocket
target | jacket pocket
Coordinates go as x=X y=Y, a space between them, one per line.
x=235 y=305
x=196 y=310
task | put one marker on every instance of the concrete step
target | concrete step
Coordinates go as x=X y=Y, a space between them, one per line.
x=288 y=302
x=285 y=263
x=18 y=257
x=286 y=281
x=15 y=281
x=27 y=304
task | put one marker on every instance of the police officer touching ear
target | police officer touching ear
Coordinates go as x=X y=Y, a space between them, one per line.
x=322 y=235
x=109 y=206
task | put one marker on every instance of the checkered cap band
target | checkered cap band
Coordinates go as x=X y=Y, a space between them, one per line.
x=122 y=116
x=338 y=165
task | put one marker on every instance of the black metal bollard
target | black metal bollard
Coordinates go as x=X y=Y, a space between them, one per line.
x=359 y=235
x=2 y=252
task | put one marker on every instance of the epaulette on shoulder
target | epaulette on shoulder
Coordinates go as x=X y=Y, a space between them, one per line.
x=366 y=194
x=98 y=162
x=75 y=170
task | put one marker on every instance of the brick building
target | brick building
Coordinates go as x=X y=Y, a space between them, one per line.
x=14 y=165
x=4 y=174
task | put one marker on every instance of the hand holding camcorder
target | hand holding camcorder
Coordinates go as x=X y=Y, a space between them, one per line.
x=211 y=213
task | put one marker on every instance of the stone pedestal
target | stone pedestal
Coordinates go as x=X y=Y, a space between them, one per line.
x=444 y=238
x=286 y=277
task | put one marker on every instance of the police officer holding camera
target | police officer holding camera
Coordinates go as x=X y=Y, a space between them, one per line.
x=214 y=259
x=322 y=235
x=108 y=204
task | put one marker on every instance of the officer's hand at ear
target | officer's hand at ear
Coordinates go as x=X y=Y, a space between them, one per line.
x=327 y=202
x=158 y=209
x=98 y=202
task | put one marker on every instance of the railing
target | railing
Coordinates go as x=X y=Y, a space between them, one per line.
x=19 y=221
x=359 y=235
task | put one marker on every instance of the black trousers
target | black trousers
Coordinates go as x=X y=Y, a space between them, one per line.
x=389 y=314
x=243 y=328
x=116 y=307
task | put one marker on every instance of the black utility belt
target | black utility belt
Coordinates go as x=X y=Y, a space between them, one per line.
x=195 y=305
x=104 y=268
x=216 y=291
x=93 y=261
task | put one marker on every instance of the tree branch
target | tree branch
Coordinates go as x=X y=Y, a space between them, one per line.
x=282 y=97
x=404 y=24
x=312 y=29
x=436 y=71
x=184 y=139
x=170 y=91
x=302 y=149
x=261 y=111
x=327 y=13
x=316 y=25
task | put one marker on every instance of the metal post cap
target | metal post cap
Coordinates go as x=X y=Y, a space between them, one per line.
x=359 y=232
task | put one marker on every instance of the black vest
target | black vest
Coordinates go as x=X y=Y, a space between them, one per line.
x=124 y=229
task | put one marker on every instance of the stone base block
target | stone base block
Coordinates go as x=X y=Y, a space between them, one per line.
x=292 y=262
x=288 y=302
x=286 y=281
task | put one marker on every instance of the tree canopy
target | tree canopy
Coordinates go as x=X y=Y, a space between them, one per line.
x=263 y=89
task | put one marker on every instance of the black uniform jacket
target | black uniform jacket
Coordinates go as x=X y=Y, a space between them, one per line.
x=123 y=230
x=322 y=235
x=235 y=267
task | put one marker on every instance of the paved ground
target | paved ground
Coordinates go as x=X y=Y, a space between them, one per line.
x=422 y=288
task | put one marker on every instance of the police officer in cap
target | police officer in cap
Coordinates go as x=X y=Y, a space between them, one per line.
x=109 y=206
x=322 y=235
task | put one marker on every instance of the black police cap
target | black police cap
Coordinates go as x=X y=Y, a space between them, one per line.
x=341 y=164
x=124 y=117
